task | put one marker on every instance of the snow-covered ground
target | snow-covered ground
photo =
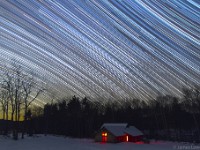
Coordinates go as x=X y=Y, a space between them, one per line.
x=61 y=143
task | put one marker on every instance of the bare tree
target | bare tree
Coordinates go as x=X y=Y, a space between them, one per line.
x=12 y=83
x=28 y=97
x=4 y=103
x=4 y=100
x=21 y=92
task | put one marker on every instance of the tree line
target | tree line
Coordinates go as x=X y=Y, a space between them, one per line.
x=167 y=117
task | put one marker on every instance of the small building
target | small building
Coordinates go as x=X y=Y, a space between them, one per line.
x=118 y=132
x=133 y=134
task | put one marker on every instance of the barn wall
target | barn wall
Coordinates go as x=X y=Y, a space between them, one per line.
x=121 y=139
x=110 y=138
x=135 y=138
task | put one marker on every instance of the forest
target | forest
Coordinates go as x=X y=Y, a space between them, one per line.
x=166 y=117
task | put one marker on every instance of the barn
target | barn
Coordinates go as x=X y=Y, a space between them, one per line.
x=133 y=134
x=118 y=132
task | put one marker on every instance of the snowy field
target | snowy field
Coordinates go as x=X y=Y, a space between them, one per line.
x=61 y=143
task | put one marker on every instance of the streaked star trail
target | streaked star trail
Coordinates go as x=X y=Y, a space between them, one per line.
x=104 y=49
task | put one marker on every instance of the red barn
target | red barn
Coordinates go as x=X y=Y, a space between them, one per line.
x=118 y=132
x=133 y=134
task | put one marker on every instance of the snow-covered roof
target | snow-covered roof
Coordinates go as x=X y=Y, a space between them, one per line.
x=114 y=124
x=119 y=129
x=116 y=129
x=133 y=131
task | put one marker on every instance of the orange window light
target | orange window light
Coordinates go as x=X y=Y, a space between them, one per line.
x=127 y=138
x=104 y=134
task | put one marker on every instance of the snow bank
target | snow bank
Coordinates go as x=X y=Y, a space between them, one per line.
x=61 y=143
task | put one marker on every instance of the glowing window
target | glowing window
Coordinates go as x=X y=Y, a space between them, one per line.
x=104 y=134
x=104 y=137
x=127 y=138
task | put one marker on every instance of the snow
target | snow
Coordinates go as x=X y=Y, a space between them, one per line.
x=42 y=142
x=133 y=131
x=116 y=130
x=119 y=129
x=124 y=125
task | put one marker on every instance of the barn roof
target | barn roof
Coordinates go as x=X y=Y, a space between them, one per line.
x=115 y=128
x=133 y=131
x=114 y=124
x=119 y=129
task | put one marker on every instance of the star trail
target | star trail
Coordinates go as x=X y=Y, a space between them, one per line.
x=104 y=49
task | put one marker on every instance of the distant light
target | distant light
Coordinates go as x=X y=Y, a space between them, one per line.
x=127 y=138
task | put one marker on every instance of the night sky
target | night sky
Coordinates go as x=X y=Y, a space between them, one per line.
x=104 y=49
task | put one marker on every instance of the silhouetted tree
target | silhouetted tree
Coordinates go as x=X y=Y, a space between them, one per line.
x=165 y=117
x=17 y=89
